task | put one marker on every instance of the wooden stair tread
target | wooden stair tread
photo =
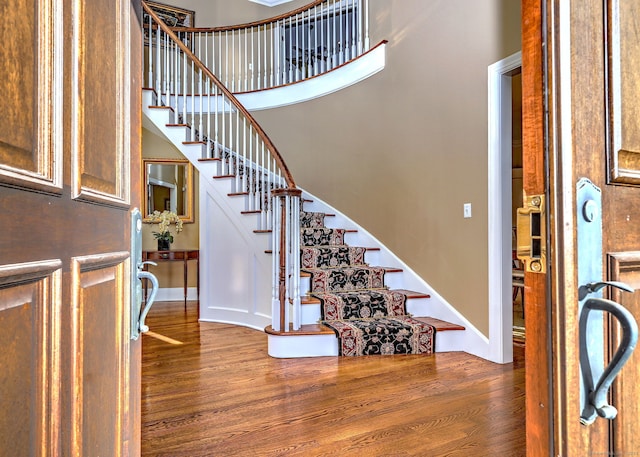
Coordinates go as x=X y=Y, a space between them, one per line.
x=319 y=329
x=306 y=329
x=412 y=293
x=441 y=326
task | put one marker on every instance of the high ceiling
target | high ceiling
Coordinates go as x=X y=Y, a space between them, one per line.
x=270 y=2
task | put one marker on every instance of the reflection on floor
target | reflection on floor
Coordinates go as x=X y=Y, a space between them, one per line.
x=518 y=319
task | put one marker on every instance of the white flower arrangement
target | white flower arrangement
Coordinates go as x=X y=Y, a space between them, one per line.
x=164 y=220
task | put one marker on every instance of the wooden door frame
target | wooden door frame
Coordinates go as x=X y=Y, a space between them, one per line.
x=499 y=209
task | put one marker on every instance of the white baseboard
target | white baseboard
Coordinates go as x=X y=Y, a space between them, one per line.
x=176 y=294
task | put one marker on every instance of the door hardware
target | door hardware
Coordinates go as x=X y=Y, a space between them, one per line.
x=596 y=379
x=138 y=273
x=596 y=403
x=531 y=234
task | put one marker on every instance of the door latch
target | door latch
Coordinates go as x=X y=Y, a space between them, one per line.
x=531 y=234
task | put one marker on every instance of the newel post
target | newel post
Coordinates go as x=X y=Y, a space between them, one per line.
x=286 y=259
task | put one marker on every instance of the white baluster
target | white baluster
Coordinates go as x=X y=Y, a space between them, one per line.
x=259 y=73
x=272 y=54
x=200 y=111
x=246 y=57
x=265 y=55
x=353 y=30
x=294 y=236
x=253 y=60
x=275 y=267
x=366 y=25
x=226 y=65
x=360 y=30
x=288 y=262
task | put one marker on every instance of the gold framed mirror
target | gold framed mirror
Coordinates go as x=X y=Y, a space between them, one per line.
x=168 y=185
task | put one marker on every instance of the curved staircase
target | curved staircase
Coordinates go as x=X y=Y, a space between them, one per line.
x=247 y=192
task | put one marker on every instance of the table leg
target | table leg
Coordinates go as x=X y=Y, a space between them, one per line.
x=185 y=283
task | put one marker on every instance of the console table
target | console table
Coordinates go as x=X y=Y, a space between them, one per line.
x=175 y=256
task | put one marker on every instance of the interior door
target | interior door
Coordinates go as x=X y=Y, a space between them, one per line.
x=69 y=162
x=591 y=132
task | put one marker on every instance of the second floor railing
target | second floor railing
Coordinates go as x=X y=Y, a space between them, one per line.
x=285 y=49
x=230 y=136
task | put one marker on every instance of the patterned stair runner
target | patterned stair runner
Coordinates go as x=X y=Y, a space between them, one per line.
x=367 y=318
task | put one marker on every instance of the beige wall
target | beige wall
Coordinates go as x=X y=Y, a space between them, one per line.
x=171 y=274
x=401 y=152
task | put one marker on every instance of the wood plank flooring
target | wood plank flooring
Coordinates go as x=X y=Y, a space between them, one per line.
x=212 y=390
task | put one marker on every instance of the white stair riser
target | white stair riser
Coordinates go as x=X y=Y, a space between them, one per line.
x=418 y=307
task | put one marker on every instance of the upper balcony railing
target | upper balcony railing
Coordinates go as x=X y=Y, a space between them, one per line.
x=306 y=42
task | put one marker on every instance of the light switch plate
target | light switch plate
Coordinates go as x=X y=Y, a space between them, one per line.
x=467 y=210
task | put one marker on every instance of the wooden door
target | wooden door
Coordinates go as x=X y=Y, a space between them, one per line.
x=69 y=162
x=591 y=131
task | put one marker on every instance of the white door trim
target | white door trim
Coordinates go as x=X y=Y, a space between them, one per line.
x=499 y=209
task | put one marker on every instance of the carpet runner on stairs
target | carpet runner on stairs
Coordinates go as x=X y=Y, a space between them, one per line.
x=368 y=319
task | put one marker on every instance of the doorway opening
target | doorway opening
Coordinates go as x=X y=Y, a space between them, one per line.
x=516 y=202
x=504 y=153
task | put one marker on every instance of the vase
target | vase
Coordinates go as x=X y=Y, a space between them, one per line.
x=164 y=245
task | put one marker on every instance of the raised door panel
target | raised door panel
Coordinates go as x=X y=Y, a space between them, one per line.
x=100 y=92
x=30 y=138
x=100 y=344
x=623 y=87
x=30 y=301
x=625 y=267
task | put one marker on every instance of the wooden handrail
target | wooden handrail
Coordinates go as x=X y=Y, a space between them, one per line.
x=198 y=64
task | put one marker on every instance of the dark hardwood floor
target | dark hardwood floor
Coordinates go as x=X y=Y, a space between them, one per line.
x=212 y=390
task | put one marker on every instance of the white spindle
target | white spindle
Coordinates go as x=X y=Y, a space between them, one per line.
x=264 y=182
x=259 y=70
x=366 y=25
x=272 y=54
x=265 y=54
x=226 y=58
x=200 y=99
x=294 y=240
x=253 y=60
x=190 y=96
x=353 y=30
x=360 y=32
x=275 y=268
x=233 y=61
x=342 y=23
x=288 y=266
x=150 y=53
x=246 y=62
x=157 y=86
